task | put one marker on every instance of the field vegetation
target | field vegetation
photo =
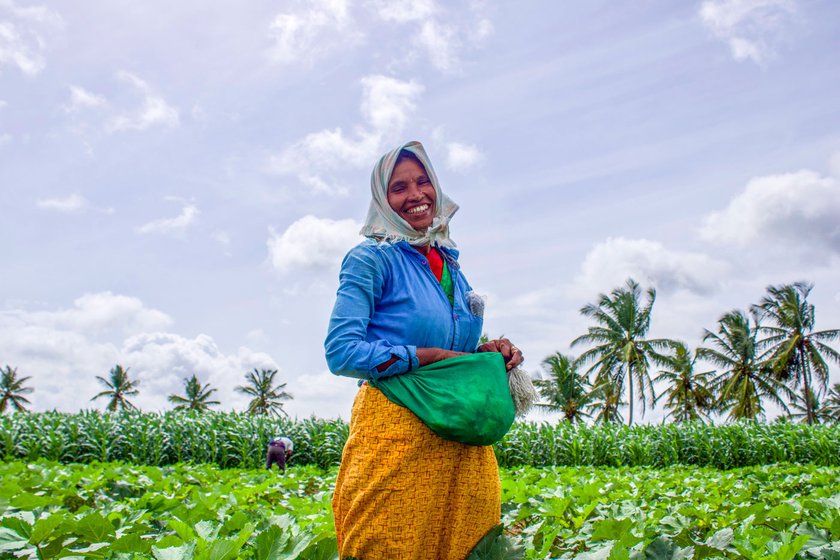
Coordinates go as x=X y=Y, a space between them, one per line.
x=238 y=440
x=113 y=510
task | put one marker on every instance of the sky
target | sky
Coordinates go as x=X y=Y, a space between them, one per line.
x=179 y=182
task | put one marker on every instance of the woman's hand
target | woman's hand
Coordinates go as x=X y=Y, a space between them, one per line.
x=512 y=355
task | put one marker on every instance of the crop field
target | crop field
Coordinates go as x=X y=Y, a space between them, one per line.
x=182 y=512
x=235 y=440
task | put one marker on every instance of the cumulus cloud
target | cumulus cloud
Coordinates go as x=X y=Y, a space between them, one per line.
x=314 y=28
x=178 y=224
x=747 y=26
x=460 y=157
x=80 y=99
x=311 y=30
x=153 y=110
x=444 y=32
x=800 y=208
x=323 y=394
x=63 y=350
x=610 y=263
x=22 y=28
x=312 y=242
x=70 y=204
x=386 y=107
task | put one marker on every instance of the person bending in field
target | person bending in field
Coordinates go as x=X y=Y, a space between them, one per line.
x=279 y=452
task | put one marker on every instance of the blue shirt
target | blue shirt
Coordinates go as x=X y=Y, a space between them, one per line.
x=389 y=304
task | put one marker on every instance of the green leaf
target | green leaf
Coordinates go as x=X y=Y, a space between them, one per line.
x=27 y=501
x=132 y=543
x=183 y=552
x=661 y=548
x=611 y=529
x=45 y=526
x=788 y=550
x=207 y=530
x=271 y=543
x=12 y=540
x=183 y=530
x=221 y=549
x=324 y=548
x=94 y=528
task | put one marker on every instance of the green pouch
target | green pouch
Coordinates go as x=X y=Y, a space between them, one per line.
x=463 y=399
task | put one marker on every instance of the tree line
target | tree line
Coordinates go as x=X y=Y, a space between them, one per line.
x=767 y=354
x=267 y=394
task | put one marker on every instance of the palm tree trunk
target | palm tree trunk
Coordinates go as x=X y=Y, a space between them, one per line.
x=630 y=384
x=806 y=374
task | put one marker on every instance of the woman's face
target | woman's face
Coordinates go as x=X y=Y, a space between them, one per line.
x=412 y=195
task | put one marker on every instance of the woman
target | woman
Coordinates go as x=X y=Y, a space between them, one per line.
x=402 y=303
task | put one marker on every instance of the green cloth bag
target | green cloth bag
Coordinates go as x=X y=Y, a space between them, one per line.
x=464 y=399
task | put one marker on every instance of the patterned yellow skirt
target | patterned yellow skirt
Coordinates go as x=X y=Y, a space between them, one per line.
x=403 y=493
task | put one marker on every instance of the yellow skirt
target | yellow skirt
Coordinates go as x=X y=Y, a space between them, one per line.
x=403 y=493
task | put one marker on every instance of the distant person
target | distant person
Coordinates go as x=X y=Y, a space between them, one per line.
x=402 y=303
x=279 y=451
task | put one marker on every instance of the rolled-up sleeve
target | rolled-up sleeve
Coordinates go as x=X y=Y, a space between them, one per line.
x=348 y=351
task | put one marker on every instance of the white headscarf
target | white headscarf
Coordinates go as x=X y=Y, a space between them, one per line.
x=384 y=224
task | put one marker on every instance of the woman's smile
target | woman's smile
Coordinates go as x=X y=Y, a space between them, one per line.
x=412 y=195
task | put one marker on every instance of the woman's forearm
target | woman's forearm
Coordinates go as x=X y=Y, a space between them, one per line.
x=425 y=356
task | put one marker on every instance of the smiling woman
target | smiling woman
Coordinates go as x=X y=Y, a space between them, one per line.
x=403 y=303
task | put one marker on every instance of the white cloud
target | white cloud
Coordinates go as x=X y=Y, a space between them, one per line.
x=312 y=242
x=460 y=157
x=747 y=26
x=441 y=43
x=154 y=110
x=71 y=204
x=403 y=12
x=444 y=31
x=80 y=98
x=178 y=224
x=102 y=312
x=801 y=208
x=314 y=29
x=64 y=350
x=610 y=263
x=16 y=51
x=223 y=239
x=324 y=393
x=21 y=41
x=386 y=106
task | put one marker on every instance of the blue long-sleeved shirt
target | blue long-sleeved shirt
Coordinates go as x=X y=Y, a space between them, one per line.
x=389 y=304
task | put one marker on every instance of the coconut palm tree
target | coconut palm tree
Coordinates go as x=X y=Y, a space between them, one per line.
x=744 y=381
x=831 y=405
x=687 y=390
x=621 y=352
x=565 y=390
x=12 y=390
x=795 y=353
x=606 y=403
x=801 y=410
x=267 y=399
x=196 y=398
x=119 y=386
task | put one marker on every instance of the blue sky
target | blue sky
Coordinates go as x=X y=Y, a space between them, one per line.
x=180 y=182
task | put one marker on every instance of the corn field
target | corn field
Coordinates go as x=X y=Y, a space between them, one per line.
x=238 y=440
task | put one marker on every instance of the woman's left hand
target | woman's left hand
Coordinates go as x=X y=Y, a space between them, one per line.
x=511 y=354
